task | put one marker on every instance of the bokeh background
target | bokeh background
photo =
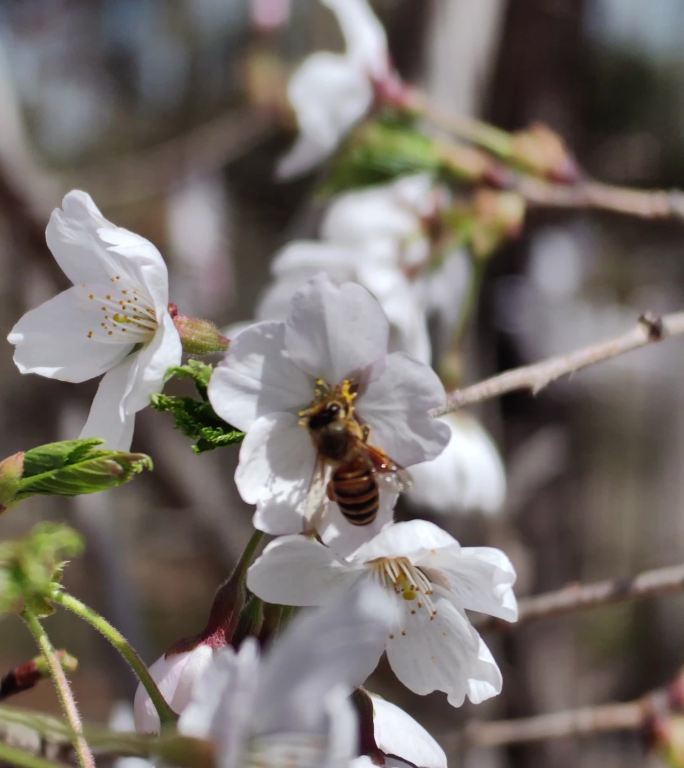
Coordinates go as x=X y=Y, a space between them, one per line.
x=171 y=115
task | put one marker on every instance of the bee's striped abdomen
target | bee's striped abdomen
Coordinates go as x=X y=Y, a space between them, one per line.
x=355 y=489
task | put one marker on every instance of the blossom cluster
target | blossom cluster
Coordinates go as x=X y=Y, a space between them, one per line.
x=334 y=389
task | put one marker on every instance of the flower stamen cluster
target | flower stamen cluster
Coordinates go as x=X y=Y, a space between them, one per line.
x=408 y=581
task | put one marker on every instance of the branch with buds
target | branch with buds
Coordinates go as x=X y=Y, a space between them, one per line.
x=649 y=329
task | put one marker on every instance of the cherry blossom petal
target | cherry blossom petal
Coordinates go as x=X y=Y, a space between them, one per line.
x=467 y=476
x=52 y=340
x=257 y=377
x=335 y=331
x=480 y=578
x=222 y=705
x=364 y=35
x=407 y=539
x=336 y=646
x=107 y=419
x=175 y=676
x=442 y=654
x=396 y=404
x=277 y=461
x=311 y=256
x=329 y=93
x=151 y=364
x=397 y=733
x=77 y=235
x=297 y=570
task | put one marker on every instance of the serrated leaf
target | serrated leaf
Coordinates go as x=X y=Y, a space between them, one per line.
x=197 y=420
x=198 y=372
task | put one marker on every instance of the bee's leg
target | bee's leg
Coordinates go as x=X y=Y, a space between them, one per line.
x=365 y=432
x=330 y=492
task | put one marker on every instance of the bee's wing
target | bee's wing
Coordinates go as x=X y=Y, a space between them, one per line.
x=387 y=470
x=318 y=488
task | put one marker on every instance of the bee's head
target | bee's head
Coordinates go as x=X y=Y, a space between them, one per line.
x=328 y=414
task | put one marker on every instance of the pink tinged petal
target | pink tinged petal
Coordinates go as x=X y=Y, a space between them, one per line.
x=440 y=654
x=344 y=538
x=257 y=377
x=480 y=579
x=52 y=339
x=396 y=405
x=297 y=570
x=175 y=676
x=151 y=363
x=329 y=94
x=335 y=331
x=363 y=34
x=107 y=418
x=409 y=539
x=397 y=733
x=276 y=468
x=332 y=648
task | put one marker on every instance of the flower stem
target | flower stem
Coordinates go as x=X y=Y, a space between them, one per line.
x=248 y=555
x=119 y=642
x=13 y=756
x=64 y=692
x=469 y=303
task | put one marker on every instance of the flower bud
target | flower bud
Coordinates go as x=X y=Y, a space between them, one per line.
x=199 y=337
x=175 y=674
x=542 y=151
x=11 y=470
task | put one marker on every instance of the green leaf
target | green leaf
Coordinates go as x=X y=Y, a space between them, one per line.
x=31 y=567
x=74 y=467
x=197 y=420
x=381 y=151
x=198 y=372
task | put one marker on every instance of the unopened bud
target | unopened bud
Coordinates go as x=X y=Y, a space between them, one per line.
x=543 y=152
x=497 y=216
x=11 y=470
x=75 y=467
x=27 y=675
x=199 y=337
x=467 y=163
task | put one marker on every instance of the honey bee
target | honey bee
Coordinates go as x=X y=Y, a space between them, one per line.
x=352 y=465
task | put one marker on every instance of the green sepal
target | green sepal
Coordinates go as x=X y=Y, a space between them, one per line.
x=75 y=467
x=31 y=567
x=379 y=152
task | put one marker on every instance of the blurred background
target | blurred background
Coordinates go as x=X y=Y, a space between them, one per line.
x=172 y=115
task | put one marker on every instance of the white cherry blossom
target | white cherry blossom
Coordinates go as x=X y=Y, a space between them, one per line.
x=433 y=646
x=175 y=675
x=334 y=339
x=302 y=259
x=468 y=476
x=330 y=92
x=291 y=707
x=399 y=739
x=113 y=320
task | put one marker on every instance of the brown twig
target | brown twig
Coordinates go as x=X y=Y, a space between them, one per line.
x=577 y=597
x=642 y=203
x=649 y=329
x=629 y=716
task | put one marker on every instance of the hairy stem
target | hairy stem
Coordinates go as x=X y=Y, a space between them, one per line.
x=64 y=692
x=13 y=756
x=119 y=642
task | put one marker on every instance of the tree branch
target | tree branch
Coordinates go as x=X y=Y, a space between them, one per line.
x=577 y=597
x=650 y=328
x=585 y=721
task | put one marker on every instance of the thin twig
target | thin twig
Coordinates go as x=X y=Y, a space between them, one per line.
x=585 y=721
x=642 y=203
x=577 y=597
x=650 y=328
